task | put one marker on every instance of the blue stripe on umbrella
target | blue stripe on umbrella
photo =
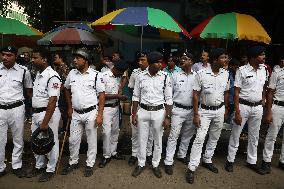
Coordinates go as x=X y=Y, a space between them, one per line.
x=132 y=16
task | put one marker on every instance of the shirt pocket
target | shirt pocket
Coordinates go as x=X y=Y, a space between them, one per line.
x=88 y=87
x=41 y=92
x=17 y=83
x=208 y=88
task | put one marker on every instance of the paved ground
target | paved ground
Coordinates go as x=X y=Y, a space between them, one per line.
x=118 y=174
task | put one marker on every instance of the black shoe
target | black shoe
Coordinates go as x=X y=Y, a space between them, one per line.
x=19 y=172
x=149 y=160
x=190 y=176
x=157 y=172
x=46 y=176
x=88 y=171
x=183 y=160
x=265 y=168
x=137 y=171
x=253 y=167
x=210 y=166
x=118 y=156
x=229 y=166
x=3 y=173
x=132 y=160
x=281 y=165
x=69 y=168
x=104 y=162
x=169 y=169
x=35 y=172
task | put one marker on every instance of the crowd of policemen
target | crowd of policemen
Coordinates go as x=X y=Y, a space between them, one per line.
x=190 y=99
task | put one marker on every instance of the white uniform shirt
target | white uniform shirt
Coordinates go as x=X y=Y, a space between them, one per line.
x=46 y=84
x=150 y=90
x=182 y=87
x=84 y=87
x=11 y=83
x=133 y=77
x=277 y=83
x=212 y=86
x=250 y=82
x=112 y=84
x=199 y=66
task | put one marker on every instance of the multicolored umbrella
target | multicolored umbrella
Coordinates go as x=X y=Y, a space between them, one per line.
x=69 y=35
x=12 y=26
x=231 y=26
x=142 y=20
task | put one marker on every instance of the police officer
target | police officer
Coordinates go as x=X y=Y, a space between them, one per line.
x=249 y=96
x=182 y=114
x=274 y=116
x=13 y=79
x=46 y=91
x=212 y=85
x=110 y=130
x=83 y=84
x=143 y=65
x=153 y=90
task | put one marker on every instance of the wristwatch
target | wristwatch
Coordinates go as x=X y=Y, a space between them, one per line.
x=168 y=116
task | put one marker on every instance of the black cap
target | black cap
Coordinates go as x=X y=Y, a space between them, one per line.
x=255 y=51
x=187 y=54
x=216 y=52
x=154 y=57
x=11 y=49
x=121 y=65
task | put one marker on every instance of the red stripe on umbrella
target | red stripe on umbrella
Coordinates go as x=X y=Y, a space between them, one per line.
x=199 y=28
x=67 y=36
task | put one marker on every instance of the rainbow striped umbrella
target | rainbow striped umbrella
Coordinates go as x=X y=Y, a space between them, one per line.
x=231 y=26
x=141 y=20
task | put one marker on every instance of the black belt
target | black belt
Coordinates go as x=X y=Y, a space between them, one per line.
x=182 y=106
x=245 y=102
x=86 y=110
x=11 y=106
x=38 y=110
x=212 y=107
x=279 y=103
x=112 y=104
x=151 y=108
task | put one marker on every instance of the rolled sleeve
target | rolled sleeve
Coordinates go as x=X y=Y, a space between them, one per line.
x=54 y=87
x=131 y=81
x=273 y=81
x=67 y=82
x=238 y=79
x=100 y=85
x=136 y=91
x=197 y=83
x=169 y=91
x=28 y=83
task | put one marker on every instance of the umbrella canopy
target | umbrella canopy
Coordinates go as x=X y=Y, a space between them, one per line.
x=12 y=26
x=68 y=36
x=231 y=26
x=152 y=22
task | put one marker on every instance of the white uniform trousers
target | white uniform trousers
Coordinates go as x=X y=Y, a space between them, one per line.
x=78 y=124
x=181 y=124
x=13 y=119
x=213 y=121
x=148 y=120
x=135 y=142
x=53 y=154
x=110 y=131
x=253 y=116
x=278 y=120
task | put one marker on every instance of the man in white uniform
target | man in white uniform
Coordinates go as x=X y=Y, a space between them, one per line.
x=249 y=97
x=13 y=79
x=143 y=64
x=46 y=92
x=85 y=95
x=211 y=87
x=153 y=90
x=182 y=113
x=274 y=116
x=110 y=131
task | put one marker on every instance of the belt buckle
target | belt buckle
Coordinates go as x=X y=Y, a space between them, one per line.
x=151 y=108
